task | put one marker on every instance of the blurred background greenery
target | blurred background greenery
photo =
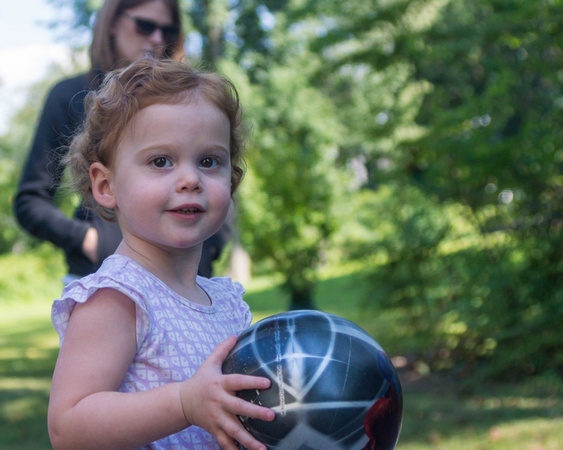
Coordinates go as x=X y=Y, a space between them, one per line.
x=404 y=172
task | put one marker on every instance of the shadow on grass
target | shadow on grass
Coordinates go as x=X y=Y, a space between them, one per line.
x=437 y=407
x=23 y=419
x=28 y=351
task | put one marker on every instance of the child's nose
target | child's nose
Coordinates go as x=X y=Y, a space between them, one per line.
x=188 y=179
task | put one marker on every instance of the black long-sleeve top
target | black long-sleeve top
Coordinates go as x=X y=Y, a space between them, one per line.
x=35 y=202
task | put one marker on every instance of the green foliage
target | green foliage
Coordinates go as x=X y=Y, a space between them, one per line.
x=468 y=123
x=13 y=152
x=81 y=15
x=21 y=275
x=494 y=112
x=494 y=133
x=474 y=301
x=419 y=138
x=9 y=232
x=12 y=156
x=286 y=198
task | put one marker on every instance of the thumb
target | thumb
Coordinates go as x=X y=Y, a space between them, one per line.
x=222 y=351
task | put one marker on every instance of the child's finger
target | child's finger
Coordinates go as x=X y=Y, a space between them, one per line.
x=238 y=382
x=237 y=432
x=225 y=441
x=246 y=409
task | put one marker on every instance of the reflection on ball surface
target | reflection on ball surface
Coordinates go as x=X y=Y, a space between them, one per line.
x=333 y=386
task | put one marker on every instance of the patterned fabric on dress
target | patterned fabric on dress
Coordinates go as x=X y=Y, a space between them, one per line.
x=174 y=335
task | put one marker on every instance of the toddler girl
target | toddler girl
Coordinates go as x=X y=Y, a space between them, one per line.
x=143 y=339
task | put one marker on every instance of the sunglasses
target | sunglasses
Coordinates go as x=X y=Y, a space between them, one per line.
x=146 y=27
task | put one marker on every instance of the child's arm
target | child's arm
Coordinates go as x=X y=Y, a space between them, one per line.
x=85 y=411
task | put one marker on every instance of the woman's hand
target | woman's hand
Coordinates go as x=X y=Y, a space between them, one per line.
x=209 y=400
x=90 y=245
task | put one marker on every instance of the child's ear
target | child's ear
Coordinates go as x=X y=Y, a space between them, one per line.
x=101 y=185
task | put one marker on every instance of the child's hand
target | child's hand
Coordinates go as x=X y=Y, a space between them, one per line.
x=209 y=400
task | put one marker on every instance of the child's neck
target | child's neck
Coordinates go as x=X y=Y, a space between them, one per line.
x=177 y=270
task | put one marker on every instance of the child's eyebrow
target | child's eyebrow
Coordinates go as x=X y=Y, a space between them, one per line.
x=220 y=148
x=172 y=147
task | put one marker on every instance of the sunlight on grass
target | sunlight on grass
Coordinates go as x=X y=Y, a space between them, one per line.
x=529 y=434
x=514 y=402
x=544 y=433
x=28 y=347
x=24 y=406
x=26 y=383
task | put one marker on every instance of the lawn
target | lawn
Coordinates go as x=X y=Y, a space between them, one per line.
x=28 y=349
x=440 y=412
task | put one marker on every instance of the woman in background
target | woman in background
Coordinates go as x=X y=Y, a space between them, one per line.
x=125 y=31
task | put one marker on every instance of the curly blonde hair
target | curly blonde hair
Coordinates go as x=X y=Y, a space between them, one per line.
x=125 y=92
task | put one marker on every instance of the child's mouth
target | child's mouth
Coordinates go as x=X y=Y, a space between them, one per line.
x=188 y=210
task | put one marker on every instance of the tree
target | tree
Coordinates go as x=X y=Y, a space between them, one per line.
x=287 y=198
x=486 y=137
x=450 y=115
x=494 y=145
x=13 y=151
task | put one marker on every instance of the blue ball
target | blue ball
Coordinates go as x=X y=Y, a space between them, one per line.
x=333 y=386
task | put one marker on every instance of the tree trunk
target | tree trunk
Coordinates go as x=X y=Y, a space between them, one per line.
x=213 y=30
x=302 y=299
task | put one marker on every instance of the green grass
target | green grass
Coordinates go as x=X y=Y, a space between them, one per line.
x=439 y=416
x=439 y=411
x=343 y=295
x=28 y=349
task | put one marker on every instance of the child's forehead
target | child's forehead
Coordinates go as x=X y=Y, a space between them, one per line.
x=188 y=97
x=162 y=115
x=187 y=117
x=177 y=103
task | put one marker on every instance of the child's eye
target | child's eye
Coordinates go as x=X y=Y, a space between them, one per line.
x=161 y=162
x=209 y=162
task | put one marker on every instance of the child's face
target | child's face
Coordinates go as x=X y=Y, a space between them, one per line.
x=171 y=179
